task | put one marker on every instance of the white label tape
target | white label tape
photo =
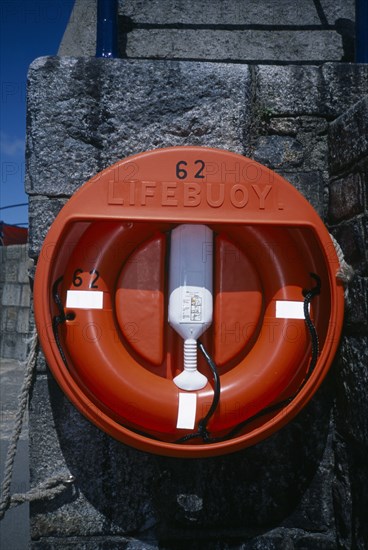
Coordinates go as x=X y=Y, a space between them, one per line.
x=187 y=411
x=84 y=299
x=287 y=309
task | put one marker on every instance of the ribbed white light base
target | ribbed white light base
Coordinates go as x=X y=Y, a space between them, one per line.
x=190 y=379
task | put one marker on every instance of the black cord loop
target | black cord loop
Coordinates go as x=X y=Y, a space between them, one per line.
x=308 y=296
x=202 y=424
x=202 y=431
x=59 y=319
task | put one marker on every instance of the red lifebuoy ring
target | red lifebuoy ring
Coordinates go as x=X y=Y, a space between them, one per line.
x=115 y=354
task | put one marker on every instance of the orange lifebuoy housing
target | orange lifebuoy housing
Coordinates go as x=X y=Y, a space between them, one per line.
x=101 y=300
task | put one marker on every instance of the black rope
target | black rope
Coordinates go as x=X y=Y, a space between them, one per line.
x=59 y=319
x=308 y=296
x=203 y=432
x=202 y=424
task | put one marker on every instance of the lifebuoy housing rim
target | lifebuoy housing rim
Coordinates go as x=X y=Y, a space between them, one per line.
x=43 y=283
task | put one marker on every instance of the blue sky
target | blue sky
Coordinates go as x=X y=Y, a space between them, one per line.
x=29 y=29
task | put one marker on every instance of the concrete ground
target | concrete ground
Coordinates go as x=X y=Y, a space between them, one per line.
x=14 y=528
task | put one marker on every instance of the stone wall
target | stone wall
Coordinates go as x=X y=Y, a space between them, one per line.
x=348 y=219
x=252 y=31
x=15 y=301
x=289 y=491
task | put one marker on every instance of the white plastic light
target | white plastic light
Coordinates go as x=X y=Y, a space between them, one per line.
x=190 y=295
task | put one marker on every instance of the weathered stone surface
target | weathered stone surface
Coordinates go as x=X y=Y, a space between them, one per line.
x=42 y=212
x=41 y=365
x=23 y=267
x=356 y=314
x=8 y=319
x=274 y=540
x=291 y=539
x=338 y=9
x=215 y=12
x=216 y=16
x=111 y=491
x=296 y=145
x=293 y=126
x=235 y=45
x=11 y=271
x=307 y=90
x=13 y=345
x=348 y=200
x=281 y=126
x=342 y=497
x=80 y=35
x=358 y=471
x=312 y=135
x=351 y=128
x=351 y=444
x=279 y=152
x=232 y=496
x=25 y=298
x=23 y=321
x=352 y=402
x=15 y=252
x=14 y=303
x=346 y=197
x=310 y=185
x=85 y=114
x=190 y=498
x=95 y=543
x=11 y=294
